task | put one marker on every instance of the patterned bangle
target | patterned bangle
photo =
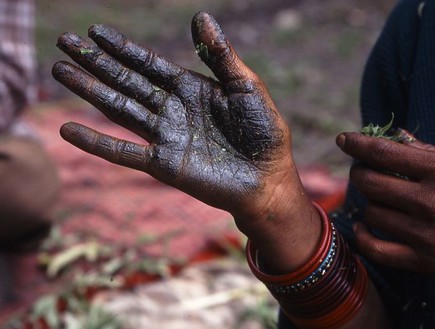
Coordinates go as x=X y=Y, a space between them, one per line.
x=311 y=278
x=327 y=297
x=304 y=271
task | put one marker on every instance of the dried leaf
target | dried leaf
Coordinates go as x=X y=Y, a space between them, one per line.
x=90 y=251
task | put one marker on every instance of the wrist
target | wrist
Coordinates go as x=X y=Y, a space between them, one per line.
x=280 y=196
x=326 y=292
x=286 y=229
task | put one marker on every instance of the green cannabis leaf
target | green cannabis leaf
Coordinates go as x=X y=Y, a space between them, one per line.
x=86 y=51
x=202 y=50
x=380 y=132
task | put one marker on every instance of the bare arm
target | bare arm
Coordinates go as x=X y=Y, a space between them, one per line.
x=222 y=141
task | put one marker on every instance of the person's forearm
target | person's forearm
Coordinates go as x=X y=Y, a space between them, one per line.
x=284 y=225
x=372 y=313
x=286 y=239
x=223 y=142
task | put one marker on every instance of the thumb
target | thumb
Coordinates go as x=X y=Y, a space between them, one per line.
x=216 y=52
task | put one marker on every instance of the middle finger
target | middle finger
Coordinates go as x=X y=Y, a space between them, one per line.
x=387 y=189
x=395 y=223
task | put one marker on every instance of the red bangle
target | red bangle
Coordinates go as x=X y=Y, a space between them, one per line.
x=345 y=311
x=306 y=269
x=336 y=293
x=336 y=309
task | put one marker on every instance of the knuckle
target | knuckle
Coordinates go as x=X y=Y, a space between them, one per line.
x=119 y=103
x=148 y=60
x=382 y=152
x=362 y=177
x=244 y=86
x=423 y=200
x=370 y=247
x=122 y=76
x=103 y=144
x=375 y=251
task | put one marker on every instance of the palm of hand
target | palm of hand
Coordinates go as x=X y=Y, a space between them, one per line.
x=205 y=136
x=202 y=143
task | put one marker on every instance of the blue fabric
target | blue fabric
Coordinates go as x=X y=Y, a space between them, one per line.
x=399 y=77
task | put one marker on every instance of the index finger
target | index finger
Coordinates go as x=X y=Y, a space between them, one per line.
x=159 y=70
x=381 y=153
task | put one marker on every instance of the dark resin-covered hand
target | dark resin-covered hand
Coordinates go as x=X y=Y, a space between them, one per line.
x=220 y=140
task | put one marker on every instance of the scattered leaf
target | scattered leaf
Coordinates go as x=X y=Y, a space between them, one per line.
x=90 y=251
x=202 y=50
x=85 y=51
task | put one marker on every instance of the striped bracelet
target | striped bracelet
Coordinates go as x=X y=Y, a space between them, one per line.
x=327 y=291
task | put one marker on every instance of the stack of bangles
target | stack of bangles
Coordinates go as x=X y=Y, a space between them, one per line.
x=327 y=292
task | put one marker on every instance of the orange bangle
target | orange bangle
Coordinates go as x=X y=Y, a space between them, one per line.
x=336 y=293
x=306 y=269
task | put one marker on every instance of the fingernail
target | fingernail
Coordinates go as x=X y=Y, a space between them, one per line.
x=206 y=30
x=105 y=33
x=95 y=29
x=340 y=141
x=67 y=39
